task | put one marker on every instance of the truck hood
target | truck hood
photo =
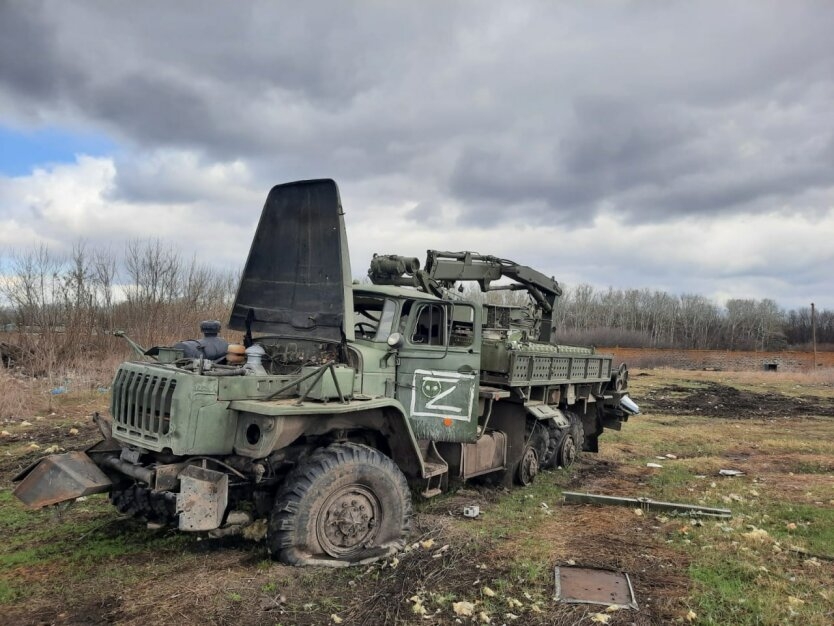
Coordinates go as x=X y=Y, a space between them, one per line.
x=297 y=280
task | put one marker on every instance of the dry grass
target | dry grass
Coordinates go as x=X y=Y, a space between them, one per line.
x=13 y=395
x=112 y=570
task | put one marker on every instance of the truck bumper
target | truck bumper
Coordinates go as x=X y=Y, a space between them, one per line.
x=61 y=477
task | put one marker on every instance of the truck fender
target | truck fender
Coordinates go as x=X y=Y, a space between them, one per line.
x=283 y=425
x=547 y=412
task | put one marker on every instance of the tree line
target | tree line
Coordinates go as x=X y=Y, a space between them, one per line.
x=65 y=307
x=651 y=318
x=60 y=310
x=657 y=319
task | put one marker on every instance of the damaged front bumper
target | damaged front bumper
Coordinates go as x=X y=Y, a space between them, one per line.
x=58 y=478
x=200 y=502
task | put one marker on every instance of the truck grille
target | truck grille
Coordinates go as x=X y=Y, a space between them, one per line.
x=141 y=403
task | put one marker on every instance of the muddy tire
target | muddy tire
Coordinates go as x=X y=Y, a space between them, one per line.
x=538 y=437
x=554 y=438
x=571 y=442
x=144 y=504
x=535 y=451
x=528 y=467
x=346 y=504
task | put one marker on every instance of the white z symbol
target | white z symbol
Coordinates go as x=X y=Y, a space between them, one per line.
x=432 y=404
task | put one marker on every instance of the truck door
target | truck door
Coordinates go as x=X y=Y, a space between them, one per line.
x=437 y=369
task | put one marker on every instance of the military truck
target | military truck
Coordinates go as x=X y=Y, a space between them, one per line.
x=351 y=397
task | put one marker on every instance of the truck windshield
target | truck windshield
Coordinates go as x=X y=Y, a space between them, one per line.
x=373 y=317
x=389 y=310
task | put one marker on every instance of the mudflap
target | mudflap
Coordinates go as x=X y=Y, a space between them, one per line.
x=61 y=477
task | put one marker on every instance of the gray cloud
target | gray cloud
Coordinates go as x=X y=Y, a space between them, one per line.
x=506 y=115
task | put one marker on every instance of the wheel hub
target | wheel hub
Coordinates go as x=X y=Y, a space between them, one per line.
x=348 y=520
x=529 y=466
x=568 y=451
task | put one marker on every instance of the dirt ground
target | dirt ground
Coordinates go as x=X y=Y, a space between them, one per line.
x=202 y=581
x=231 y=582
x=714 y=399
x=163 y=578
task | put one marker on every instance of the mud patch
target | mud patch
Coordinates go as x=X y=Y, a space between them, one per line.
x=718 y=400
x=609 y=538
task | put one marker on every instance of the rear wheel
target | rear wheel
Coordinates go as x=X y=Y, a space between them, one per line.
x=346 y=504
x=535 y=451
x=571 y=442
x=554 y=439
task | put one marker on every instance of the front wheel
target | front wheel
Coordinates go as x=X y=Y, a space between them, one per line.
x=346 y=504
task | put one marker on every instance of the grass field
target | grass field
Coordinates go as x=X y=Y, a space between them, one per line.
x=769 y=564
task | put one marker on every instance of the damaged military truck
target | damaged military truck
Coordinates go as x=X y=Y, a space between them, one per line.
x=344 y=398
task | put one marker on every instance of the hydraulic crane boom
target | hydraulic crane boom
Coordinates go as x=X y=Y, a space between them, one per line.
x=444 y=269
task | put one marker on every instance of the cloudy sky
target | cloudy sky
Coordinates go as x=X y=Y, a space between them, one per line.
x=671 y=145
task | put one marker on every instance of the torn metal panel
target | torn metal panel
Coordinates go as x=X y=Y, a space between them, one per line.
x=297 y=279
x=61 y=477
x=584 y=585
x=202 y=499
x=646 y=504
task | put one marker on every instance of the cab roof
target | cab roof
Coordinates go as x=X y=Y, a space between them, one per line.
x=394 y=292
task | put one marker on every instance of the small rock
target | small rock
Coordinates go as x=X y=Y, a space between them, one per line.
x=73 y=431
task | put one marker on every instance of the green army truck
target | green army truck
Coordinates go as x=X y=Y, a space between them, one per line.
x=344 y=398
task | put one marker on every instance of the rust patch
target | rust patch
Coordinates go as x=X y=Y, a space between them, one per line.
x=585 y=585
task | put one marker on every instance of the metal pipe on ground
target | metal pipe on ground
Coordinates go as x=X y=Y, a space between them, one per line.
x=645 y=504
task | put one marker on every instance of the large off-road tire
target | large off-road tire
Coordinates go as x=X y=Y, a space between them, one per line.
x=554 y=438
x=571 y=442
x=346 y=504
x=535 y=451
x=538 y=437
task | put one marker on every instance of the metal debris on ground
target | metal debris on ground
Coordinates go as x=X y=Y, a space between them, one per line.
x=645 y=504
x=730 y=472
x=471 y=511
x=585 y=585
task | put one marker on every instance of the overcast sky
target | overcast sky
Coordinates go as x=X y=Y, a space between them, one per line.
x=682 y=146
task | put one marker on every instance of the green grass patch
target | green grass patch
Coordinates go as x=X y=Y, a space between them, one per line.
x=728 y=593
x=84 y=537
x=811 y=467
x=814 y=525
